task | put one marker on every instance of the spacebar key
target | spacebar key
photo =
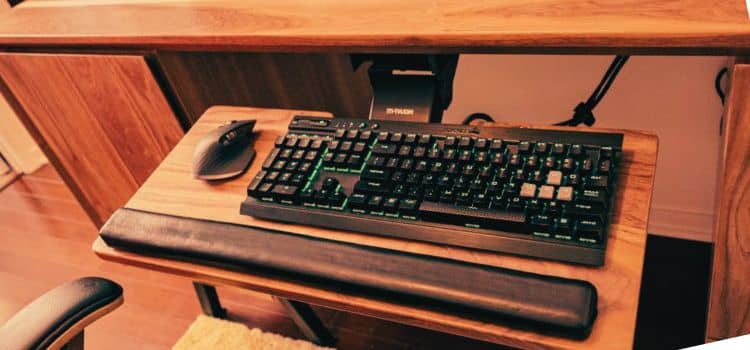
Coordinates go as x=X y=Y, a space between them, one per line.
x=471 y=217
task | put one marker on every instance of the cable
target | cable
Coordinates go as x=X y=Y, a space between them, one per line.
x=477 y=116
x=717 y=83
x=584 y=111
x=722 y=95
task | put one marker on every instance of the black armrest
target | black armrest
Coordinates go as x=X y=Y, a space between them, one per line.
x=60 y=314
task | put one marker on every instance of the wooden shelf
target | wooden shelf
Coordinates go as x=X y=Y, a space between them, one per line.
x=172 y=190
x=717 y=27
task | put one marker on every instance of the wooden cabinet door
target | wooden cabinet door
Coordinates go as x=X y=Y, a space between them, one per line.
x=307 y=81
x=729 y=303
x=102 y=120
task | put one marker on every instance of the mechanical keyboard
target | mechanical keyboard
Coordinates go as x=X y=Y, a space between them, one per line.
x=530 y=192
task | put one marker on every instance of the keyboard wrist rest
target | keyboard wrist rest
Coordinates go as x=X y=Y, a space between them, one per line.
x=556 y=304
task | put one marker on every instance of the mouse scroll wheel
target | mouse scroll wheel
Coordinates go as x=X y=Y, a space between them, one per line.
x=228 y=137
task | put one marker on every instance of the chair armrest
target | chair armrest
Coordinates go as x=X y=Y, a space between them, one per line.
x=57 y=316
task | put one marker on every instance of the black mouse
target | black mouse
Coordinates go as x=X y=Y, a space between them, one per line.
x=225 y=152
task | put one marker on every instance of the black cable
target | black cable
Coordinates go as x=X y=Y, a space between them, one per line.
x=477 y=116
x=584 y=111
x=722 y=96
x=717 y=83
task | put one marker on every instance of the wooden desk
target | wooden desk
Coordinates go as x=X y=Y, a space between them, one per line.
x=717 y=27
x=172 y=190
x=709 y=27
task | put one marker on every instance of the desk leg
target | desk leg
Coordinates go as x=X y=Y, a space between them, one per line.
x=308 y=322
x=209 y=300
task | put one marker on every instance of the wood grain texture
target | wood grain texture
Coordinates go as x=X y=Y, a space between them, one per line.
x=324 y=82
x=46 y=241
x=101 y=120
x=572 y=26
x=171 y=190
x=729 y=304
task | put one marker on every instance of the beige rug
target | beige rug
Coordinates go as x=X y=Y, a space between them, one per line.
x=215 y=334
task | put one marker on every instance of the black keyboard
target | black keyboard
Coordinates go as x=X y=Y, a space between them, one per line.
x=531 y=192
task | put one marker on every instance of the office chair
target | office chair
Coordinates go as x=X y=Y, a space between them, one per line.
x=56 y=319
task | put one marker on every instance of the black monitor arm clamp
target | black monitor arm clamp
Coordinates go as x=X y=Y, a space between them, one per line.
x=415 y=88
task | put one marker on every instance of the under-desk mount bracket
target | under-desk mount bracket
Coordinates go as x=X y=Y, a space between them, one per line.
x=415 y=88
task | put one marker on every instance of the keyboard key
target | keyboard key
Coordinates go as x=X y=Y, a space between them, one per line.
x=345 y=146
x=391 y=163
x=354 y=161
x=585 y=211
x=291 y=142
x=565 y=193
x=390 y=205
x=478 y=218
x=284 y=178
x=279 y=165
x=524 y=146
x=534 y=206
x=376 y=174
x=550 y=162
x=376 y=161
x=351 y=134
x=316 y=144
x=408 y=207
x=528 y=190
x=358 y=201
x=383 y=136
x=307 y=197
x=481 y=144
x=496 y=145
x=554 y=177
x=271 y=158
x=359 y=147
x=372 y=187
x=252 y=188
x=558 y=149
x=285 y=193
x=573 y=180
x=336 y=200
x=424 y=139
x=597 y=198
x=589 y=231
x=330 y=184
x=410 y=139
x=397 y=137
x=546 y=192
x=384 y=149
x=272 y=176
x=541 y=223
x=303 y=142
x=465 y=142
x=563 y=228
x=375 y=203
x=597 y=182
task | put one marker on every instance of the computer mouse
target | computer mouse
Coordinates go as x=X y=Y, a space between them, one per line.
x=225 y=152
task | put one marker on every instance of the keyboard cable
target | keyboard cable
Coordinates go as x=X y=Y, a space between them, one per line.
x=722 y=95
x=584 y=111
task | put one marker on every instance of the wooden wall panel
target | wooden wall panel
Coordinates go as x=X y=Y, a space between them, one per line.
x=102 y=120
x=324 y=82
x=729 y=305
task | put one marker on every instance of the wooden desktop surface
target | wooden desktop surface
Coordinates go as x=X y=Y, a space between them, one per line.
x=172 y=190
x=719 y=27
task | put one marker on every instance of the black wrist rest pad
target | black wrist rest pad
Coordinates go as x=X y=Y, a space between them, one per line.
x=546 y=303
